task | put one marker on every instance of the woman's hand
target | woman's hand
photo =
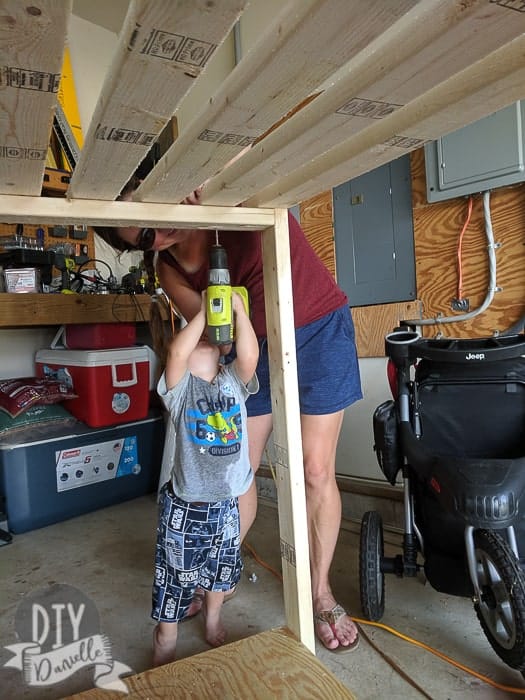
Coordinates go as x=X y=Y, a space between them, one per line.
x=194 y=197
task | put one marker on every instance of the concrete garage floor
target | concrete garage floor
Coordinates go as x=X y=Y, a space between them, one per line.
x=107 y=555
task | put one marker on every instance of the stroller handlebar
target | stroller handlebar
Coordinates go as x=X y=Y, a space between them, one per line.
x=407 y=346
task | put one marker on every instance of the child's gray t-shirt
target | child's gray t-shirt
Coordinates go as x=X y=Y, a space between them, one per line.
x=211 y=461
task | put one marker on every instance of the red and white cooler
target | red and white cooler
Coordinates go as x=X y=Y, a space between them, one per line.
x=112 y=385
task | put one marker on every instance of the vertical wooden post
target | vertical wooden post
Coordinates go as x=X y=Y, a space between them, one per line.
x=287 y=431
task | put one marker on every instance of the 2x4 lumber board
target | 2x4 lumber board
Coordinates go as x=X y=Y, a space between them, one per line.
x=19 y=310
x=428 y=45
x=32 y=37
x=55 y=210
x=163 y=48
x=287 y=431
x=272 y=664
x=479 y=90
x=301 y=47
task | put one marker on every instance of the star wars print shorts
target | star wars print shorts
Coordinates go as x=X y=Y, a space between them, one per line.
x=198 y=545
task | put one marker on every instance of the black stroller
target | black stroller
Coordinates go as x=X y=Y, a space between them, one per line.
x=456 y=430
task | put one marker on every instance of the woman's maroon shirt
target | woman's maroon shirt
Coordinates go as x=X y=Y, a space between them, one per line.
x=315 y=292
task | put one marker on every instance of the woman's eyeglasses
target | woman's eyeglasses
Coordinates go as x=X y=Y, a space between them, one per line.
x=145 y=239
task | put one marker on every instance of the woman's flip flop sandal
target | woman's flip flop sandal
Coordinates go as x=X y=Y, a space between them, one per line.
x=330 y=618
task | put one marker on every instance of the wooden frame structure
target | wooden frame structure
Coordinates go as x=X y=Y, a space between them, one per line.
x=330 y=90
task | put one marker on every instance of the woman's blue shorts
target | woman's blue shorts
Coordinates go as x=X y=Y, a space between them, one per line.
x=327 y=367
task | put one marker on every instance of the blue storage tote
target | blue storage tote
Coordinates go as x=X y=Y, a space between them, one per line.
x=77 y=469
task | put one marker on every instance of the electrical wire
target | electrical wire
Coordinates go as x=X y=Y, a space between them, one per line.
x=260 y=561
x=492 y=288
x=460 y=246
x=95 y=260
x=117 y=302
x=404 y=637
x=440 y=655
x=360 y=621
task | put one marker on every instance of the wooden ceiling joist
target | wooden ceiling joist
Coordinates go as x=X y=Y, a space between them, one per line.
x=426 y=47
x=481 y=89
x=32 y=37
x=330 y=90
x=302 y=46
x=163 y=48
x=53 y=210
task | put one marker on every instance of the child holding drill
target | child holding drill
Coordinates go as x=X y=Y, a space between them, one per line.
x=198 y=535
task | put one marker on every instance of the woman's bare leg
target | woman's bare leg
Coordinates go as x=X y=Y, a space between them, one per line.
x=323 y=506
x=259 y=429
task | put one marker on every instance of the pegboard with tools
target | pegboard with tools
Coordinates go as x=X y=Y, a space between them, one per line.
x=74 y=240
x=72 y=245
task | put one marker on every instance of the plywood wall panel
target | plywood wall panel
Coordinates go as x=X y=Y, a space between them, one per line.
x=317 y=223
x=372 y=323
x=436 y=232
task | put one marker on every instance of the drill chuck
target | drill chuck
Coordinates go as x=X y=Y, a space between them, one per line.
x=219 y=273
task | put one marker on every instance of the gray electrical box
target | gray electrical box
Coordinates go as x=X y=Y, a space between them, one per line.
x=374 y=236
x=481 y=156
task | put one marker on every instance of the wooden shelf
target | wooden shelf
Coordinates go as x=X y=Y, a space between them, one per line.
x=19 y=310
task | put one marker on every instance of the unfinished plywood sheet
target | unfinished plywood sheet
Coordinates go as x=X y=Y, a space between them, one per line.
x=33 y=39
x=163 y=48
x=268 y=665
x=300 y=48
x=437 y=230
x=425 y=47
x=372 y=323
x=17 y=310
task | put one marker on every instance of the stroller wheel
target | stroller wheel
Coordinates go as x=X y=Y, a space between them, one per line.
x=501 y=609
x=372 y=579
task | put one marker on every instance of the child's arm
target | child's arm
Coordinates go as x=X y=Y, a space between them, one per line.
x=246 y=344
x=183 y=344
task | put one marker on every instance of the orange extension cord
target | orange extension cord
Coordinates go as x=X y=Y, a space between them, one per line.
x=460 y=246
x=422 y=645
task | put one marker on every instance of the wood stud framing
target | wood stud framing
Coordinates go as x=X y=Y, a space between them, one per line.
x=386 y=76
x=32 y=39
x=428 y=46
x=300 y=48
x=162 y=50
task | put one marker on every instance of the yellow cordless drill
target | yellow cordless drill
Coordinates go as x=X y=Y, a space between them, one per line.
x=219 y=314
x=219 y=310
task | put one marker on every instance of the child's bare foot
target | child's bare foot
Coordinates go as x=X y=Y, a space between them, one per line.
x=196 y=604
x=164 y=643
x=215 y=632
